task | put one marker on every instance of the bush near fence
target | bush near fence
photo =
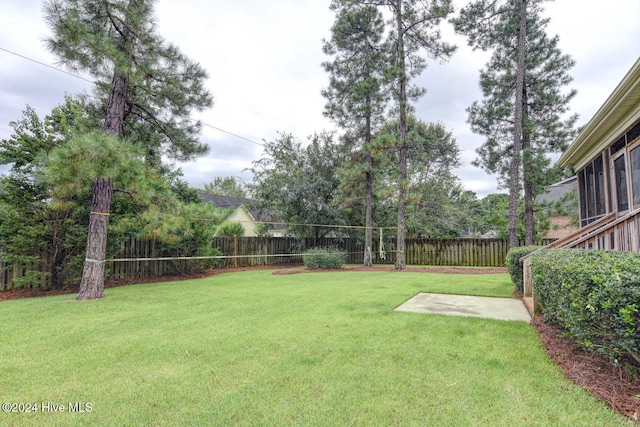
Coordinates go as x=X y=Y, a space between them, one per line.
x=324 y=258
x=148 y=260
x=514 y=265
x=594 y=296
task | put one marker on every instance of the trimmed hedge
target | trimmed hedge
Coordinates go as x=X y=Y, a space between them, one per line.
x=324 y=258
x=514 y=265
x=594 y=296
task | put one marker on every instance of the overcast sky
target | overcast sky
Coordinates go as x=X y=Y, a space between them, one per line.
x=264 y=62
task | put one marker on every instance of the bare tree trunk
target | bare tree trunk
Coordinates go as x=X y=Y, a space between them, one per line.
x=368 y=232
x=514 y=185
x=529 y=221
x=401 y=260
x=401 y=256
x=514 y=189
x=92 y=283
x=527 y=168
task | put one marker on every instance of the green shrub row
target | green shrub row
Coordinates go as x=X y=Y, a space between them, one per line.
x=324 y=258
x=594 y=296
x=514 y=265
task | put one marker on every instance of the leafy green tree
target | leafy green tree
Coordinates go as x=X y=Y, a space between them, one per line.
x=300 y=183
x=227 y=186
x=183 y=230
x=151 y=89
x=230 y=228
x=180 y=188
x=43 y=222
x=522 y=113
x=432 y=188
x=468 y=214
x=496 y=213
x=356 y=96
x=44 y=240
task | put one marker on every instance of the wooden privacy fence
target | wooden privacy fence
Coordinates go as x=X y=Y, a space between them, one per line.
x=142 y=258
x=239 y=252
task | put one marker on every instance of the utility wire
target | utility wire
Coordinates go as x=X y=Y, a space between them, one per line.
x=232 y=134
x=93 y=82
x=47 y=65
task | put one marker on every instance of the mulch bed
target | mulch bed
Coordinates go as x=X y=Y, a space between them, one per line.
x=614 y=385
x=112 y=283
x=442 y=270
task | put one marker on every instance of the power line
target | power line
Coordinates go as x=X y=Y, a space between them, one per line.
x=373 y=227
x=93 y=82
x=47 y=65
x=232 y=134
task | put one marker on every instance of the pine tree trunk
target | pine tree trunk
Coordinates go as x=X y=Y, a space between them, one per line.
x=368 y=233
x=527 y=167
x=92 y=284
x=529 y=222
x=401 y=260
x=514 y=185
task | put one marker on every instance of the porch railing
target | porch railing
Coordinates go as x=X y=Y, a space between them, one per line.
x=608 y=233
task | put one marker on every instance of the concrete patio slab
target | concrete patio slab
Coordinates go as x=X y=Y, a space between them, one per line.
x=464 y=305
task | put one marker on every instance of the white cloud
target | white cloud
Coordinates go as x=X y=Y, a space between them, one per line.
x=264 y=61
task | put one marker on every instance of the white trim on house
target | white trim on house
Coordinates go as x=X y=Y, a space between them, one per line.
x=615 y=117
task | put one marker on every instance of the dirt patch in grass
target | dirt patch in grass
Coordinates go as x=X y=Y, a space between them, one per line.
x=614 y=385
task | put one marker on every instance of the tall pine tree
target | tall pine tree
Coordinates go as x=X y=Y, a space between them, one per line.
x=413 y=32
x=522 y=113
x=356 y=96
x=149 y=88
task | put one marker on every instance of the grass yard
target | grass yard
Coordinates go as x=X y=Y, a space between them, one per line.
x=253 y=348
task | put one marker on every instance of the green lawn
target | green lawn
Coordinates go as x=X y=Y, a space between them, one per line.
x=252 y=348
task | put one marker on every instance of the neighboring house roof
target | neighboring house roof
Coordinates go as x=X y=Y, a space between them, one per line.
x=219 y=201
x=616 y=116
x=250 y=205
x=557 y=191
x=560 y=226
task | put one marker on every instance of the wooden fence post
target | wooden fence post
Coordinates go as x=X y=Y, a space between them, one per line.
x=235 y=251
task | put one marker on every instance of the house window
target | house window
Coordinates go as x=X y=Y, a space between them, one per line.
x=607 y=162
x=582 y=188
x=620 y=170
x=633 y=133
x=618 y=145
x=593 y=196
x=635 y=174
x=590 y=191
x=599 y=183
